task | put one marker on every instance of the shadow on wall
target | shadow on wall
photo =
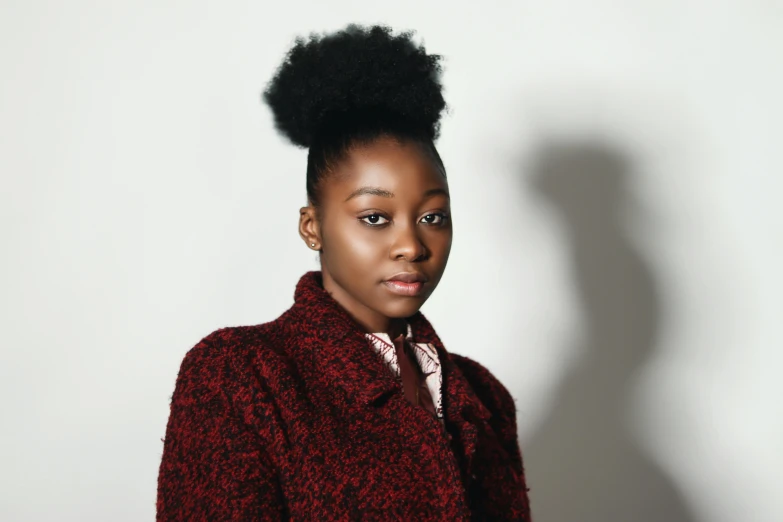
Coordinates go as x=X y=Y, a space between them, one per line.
x=583 y=464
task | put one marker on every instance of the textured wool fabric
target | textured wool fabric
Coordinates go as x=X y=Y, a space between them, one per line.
x=298 y=419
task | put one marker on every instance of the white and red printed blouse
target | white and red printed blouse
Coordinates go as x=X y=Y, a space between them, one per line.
x=426 y=357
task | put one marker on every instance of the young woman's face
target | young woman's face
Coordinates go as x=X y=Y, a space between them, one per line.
x=385 y=216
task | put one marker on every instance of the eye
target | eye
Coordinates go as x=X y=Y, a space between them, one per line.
x=437 y=218
x=373 y=220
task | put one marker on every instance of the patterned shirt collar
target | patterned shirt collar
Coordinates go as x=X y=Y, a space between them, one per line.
x=426 y=357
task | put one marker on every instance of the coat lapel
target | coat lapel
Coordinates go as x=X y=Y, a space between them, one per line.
x=341 y=353
x=336 y=343
x=463 y=411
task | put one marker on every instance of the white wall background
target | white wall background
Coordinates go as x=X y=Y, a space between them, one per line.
x=615 y=171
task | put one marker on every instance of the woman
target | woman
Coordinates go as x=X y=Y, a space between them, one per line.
x=348 y=406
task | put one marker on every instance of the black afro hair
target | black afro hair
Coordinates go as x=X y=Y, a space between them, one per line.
x=353 y=72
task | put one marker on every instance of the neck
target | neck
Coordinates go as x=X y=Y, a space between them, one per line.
x=396 y=328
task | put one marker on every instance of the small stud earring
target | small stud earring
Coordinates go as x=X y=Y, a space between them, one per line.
x=312 y=245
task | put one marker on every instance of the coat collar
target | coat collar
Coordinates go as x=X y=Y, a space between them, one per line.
x=341 y=352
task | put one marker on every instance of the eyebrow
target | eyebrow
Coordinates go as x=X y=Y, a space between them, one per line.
x=377 y=191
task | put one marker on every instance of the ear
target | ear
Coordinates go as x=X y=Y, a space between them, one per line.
x=309 y=227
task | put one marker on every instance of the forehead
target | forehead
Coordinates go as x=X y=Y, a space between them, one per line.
x=404 y=168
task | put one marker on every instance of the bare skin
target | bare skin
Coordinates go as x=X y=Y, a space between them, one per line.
x=384 y=211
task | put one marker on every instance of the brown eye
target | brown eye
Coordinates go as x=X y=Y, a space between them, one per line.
x=434 y=219
x=374 y=220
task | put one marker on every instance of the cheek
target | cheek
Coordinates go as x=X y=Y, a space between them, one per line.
x=368 y=244
x=351 y=249
x=357 y=243
x=440 y=244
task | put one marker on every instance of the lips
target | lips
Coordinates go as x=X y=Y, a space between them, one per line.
x=409 y=284
x=408 y=277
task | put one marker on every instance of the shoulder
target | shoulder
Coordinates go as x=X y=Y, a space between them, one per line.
x=228 y=355
x=488 y=388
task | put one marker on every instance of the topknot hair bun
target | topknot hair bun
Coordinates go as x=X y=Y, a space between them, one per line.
x=351 y=72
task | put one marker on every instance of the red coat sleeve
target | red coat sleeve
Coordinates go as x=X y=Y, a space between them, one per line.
x=213 y=467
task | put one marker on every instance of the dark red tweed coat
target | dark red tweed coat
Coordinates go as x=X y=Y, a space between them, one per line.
x=299 y=419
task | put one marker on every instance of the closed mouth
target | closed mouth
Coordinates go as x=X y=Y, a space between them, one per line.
x=407 y=277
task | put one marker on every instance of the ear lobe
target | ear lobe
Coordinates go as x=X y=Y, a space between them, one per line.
x=309 y=229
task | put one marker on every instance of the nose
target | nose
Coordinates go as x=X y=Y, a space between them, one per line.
x=408 y=245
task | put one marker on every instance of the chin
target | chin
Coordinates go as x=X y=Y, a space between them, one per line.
x=403 y=308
